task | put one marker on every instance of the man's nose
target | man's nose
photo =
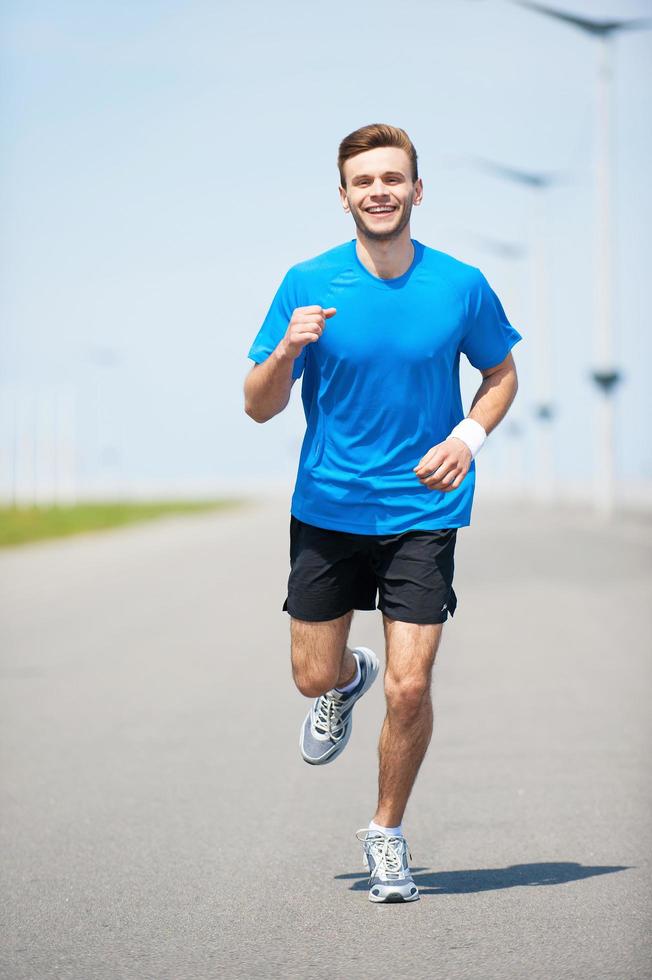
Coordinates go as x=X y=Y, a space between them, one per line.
x=378 y=188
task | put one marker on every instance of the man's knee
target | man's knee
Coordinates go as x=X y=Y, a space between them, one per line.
x=311 y=682
x=406 y=695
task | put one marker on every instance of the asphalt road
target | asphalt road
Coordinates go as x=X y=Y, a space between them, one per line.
x=157 y=820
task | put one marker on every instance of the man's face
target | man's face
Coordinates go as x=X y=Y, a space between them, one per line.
x=380 y=178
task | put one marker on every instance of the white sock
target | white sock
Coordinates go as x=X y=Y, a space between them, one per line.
x=390 y=831
x=354 y=682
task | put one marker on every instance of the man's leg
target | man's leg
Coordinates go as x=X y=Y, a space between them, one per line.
x=411 y=649
x=321 y=659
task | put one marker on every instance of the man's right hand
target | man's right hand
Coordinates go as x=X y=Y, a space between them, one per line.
x=306 y=326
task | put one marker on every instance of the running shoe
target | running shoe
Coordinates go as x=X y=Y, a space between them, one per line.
x=327 y=726
x=386 y=860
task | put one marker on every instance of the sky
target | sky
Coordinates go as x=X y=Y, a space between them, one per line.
x=163 y=165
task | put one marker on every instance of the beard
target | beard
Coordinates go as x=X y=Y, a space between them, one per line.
x=379 y=234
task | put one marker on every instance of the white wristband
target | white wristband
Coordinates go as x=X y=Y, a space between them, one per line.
x=471 y=433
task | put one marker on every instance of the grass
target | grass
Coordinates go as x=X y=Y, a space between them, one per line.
x=23 y=525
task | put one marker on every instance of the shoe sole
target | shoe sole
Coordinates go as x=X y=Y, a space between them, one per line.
x=393 y=897
x=372 y=673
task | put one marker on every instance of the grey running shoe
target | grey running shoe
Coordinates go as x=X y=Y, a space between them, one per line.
x=386 y=859
x=327 y=726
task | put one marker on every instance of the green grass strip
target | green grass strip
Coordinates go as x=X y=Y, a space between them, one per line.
x=23 y=525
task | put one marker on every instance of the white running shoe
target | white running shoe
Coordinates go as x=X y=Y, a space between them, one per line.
x=327 y=726
x=386 y=859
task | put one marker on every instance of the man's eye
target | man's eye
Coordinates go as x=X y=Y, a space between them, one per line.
x=390 y=180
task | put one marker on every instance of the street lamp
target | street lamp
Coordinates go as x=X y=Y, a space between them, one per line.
x=605 y=374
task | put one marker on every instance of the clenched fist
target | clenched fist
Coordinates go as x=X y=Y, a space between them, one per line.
x=306 y=326
x=445 y=465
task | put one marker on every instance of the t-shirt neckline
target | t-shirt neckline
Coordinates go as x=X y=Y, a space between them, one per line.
x=386 y=283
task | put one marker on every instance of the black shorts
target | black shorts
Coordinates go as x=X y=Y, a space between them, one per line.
x=332 y=572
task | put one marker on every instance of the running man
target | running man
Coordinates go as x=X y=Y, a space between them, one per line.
x=375 y=328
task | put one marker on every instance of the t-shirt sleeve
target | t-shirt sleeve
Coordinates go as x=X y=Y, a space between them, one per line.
x=276 y=323
x=489 y=336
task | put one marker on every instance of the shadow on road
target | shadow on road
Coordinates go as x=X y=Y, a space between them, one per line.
x=489 y=879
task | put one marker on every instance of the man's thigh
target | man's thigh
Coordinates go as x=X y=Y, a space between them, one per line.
x=410 y=649
x=316 y=647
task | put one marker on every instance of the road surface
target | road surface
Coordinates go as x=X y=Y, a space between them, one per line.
x=157 y=819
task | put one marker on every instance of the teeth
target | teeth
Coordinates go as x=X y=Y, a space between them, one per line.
x=379 y=210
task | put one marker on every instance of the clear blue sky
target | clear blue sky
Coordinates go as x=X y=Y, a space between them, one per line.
x=163 y=164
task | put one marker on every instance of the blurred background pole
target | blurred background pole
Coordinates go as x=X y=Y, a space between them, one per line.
x=605 y=375
x=39 y=451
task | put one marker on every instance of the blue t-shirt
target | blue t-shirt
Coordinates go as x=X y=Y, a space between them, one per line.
x=381 y=385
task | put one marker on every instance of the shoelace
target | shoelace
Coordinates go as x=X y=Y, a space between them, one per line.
x=328 y=715
x=387 y=852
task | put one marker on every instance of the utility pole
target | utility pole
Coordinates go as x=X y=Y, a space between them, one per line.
x=605 y=374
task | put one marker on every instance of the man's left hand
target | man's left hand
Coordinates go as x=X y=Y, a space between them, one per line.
x=445 y=465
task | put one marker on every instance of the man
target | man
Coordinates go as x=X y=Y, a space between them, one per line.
x=375 y=327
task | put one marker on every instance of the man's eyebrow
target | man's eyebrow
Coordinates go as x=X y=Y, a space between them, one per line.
x=388 y=173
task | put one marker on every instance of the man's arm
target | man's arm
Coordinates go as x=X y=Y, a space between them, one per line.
x=445 y=465
x=268 y=385
x=495 y=395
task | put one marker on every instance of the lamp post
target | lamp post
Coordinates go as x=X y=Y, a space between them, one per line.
x=604 y=374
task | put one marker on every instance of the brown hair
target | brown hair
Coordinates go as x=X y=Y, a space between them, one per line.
x=372 y=136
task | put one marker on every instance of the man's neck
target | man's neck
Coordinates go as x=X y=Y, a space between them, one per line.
x=387 y=260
